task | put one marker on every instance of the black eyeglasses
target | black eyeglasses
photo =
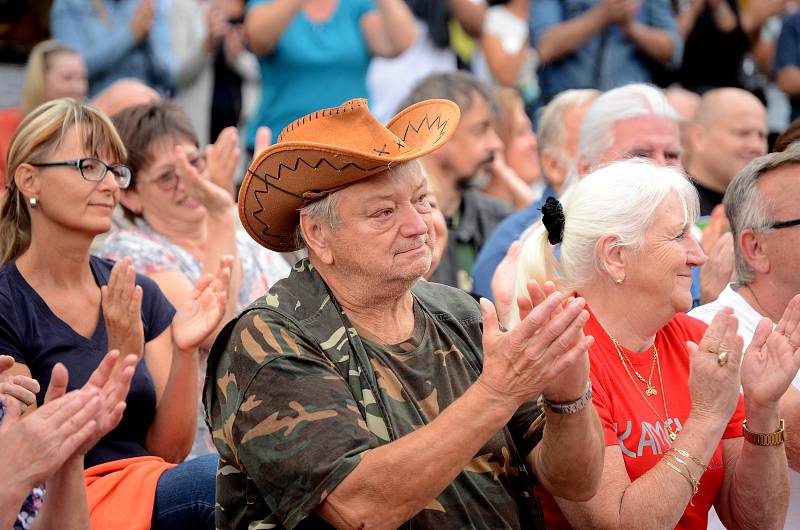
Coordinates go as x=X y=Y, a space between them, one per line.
x=782 y=224
x=95 y=170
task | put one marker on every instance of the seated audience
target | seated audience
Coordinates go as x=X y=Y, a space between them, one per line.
x=762 y=207
x=559 y=125
x=514 y=176
x=41 y=453
x=602 y=44
x=452 y=171
x=666 y=386
x=53 y=71
x=60 y=304
x=180 y=200
x=316 y=54
x=118 y=39
x=357 y=396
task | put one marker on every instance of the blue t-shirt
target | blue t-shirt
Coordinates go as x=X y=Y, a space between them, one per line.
x=313 y=66
x=37 y=338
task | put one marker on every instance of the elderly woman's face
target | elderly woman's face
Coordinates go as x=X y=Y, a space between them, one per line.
x=662 y=271
x=164 y=199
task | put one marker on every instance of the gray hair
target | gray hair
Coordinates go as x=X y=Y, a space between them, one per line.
x=324 y=211
x=745 y=206
x=458 y=86
x=623 y=103
x=618 y=199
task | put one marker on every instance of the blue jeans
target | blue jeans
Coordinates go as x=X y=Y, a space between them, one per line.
x=185 y=496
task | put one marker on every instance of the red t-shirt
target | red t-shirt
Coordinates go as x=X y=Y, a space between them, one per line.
x=628 y=421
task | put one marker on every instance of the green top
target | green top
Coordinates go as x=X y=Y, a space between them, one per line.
x=294 y=397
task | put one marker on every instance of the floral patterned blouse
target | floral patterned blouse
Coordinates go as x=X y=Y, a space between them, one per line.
x=152 y=252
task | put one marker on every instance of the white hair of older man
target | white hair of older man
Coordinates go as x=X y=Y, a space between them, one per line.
x=626 y=102
x=618 y=199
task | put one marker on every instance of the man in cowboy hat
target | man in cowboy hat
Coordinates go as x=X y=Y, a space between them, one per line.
x=355 y=394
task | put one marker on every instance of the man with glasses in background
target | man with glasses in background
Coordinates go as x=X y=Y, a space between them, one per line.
x=764 y=214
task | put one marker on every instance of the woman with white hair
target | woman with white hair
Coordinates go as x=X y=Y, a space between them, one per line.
x=679 y=437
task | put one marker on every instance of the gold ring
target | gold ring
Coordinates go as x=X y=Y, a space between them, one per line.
x=722 y=358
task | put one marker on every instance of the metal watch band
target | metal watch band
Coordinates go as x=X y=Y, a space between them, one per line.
x=570 y=407
x=764 y=439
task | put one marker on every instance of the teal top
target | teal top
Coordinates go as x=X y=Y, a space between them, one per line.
x=313 y=66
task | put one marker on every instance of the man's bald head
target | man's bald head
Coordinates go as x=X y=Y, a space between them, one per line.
x=729 y=130
x=123 y=94
x=720 y=103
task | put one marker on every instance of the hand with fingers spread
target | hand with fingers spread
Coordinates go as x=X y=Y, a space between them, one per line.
x=772 y=358
x=34 y=446
x=714 y=369
x=214 y=193
x=111 y=381
x=122 y=309
x=204 y=309
x=16 y=390
x=535 y=356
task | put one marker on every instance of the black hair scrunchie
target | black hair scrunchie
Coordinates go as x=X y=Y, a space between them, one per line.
x=553 y=220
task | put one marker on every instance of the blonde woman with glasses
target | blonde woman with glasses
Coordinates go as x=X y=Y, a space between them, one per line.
x=61 y=305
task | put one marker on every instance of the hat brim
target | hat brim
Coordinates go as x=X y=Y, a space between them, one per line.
x=288 y=175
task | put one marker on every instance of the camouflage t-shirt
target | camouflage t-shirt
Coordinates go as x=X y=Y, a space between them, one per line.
x=290 y=426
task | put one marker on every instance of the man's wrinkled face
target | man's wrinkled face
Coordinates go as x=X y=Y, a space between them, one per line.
x=385 y=230
x=780 y=188
x=474 y=143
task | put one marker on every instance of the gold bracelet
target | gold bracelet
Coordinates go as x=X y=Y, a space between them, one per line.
x=764 y=439
x=694 y=459
x=694 y=484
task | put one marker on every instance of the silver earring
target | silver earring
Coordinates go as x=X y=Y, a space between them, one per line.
x=33 y=202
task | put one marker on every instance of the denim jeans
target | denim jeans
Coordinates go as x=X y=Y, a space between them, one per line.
x=185 y=496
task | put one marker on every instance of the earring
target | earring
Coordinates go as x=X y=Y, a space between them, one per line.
x=618 y=281
x=33 y=202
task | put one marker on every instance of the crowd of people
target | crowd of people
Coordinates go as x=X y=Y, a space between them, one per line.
x=403 y=263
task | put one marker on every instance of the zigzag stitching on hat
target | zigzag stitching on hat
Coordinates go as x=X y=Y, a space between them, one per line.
x=442 y=125
x=322 y=160
x=297 y=163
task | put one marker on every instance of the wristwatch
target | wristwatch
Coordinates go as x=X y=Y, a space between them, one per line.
x=764 y=439
x=570 y=407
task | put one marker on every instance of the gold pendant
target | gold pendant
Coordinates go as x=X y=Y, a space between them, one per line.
x=651 y=391
x=672 y=434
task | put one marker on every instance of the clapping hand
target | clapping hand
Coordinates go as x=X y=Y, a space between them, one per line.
x=122 y=309
x=773 y=357
x=110 y=382
x=535 y=356
x=714 y=369
x=204 y=309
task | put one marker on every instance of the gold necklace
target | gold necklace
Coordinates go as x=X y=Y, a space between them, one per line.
x=651 y=390
x=670 y=431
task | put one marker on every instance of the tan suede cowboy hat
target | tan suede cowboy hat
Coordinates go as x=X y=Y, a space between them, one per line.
x=329 y=150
